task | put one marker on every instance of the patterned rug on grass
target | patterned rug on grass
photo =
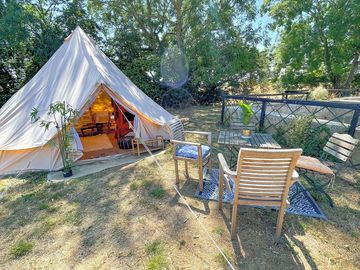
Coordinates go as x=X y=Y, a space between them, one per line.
x=303 y=204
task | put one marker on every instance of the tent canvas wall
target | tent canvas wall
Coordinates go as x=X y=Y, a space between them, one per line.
x=76 y=74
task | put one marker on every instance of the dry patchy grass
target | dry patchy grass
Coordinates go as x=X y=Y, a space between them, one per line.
x=131 y=218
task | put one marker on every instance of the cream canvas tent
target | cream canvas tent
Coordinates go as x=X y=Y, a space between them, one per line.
x=76 y=74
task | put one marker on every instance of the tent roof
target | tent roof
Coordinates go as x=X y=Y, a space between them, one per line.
x=73 y=74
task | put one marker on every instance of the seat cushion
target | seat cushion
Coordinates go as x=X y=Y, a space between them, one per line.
x=191 y=151
x=313 y=164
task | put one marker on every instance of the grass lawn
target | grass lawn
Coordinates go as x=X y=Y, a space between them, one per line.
x=131 y=218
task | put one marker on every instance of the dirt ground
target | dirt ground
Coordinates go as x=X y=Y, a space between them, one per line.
x=131 y=218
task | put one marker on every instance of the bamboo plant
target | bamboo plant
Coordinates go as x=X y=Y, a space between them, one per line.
x=62 y=116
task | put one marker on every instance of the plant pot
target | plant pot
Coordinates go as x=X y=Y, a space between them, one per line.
x=67 y=173
x=246 y=133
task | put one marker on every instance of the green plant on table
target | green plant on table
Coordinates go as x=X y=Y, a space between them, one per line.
x=247 y=112
x=62 y=116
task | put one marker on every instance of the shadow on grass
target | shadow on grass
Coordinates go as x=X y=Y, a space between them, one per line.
x=97 y=210
x=254 y=247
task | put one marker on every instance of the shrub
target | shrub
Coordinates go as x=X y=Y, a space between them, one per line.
x=176 y=98
x=303 y=135
x=319 y=93
x=300 y=132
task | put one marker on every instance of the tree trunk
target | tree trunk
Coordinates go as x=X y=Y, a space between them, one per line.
x=178 y=5
x=354 y=66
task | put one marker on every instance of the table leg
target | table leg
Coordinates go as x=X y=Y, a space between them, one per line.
x=233 y=156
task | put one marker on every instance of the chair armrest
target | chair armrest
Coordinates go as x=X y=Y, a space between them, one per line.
x=175 y=142
x=204 y=133
x=224 y=166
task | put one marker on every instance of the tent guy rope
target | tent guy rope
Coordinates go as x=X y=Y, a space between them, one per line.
x=203 y=227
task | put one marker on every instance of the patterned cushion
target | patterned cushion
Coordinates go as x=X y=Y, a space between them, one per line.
x=191 y=151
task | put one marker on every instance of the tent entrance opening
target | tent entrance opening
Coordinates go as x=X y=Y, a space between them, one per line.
x=103 y=129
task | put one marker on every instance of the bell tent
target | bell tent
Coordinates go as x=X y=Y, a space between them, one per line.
x=79 y=74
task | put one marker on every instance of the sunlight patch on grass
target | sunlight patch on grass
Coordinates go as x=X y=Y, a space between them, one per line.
x=20 y=249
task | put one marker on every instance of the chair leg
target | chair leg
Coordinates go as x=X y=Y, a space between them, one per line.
x=209 y=165
x=279 y=223
x=221 y=188
x=186 y=169
x=201 y=177
x=233 y=221
x=176 y=171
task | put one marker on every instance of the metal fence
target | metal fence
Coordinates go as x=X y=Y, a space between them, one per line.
x=276 y=115
x=288 y=94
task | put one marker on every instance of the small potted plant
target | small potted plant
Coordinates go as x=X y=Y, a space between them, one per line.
x=247 y=114
x=62 y=116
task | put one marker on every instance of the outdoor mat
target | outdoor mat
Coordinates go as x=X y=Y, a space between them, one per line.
x=303 y=204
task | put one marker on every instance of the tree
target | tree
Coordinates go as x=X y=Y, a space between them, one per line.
x=159 y=44
x=320 y=40
x=31 y=31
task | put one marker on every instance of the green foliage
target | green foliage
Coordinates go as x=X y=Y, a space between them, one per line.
x=219 y=231
x=219 y=258
x=154 y=248
x=62 y=116
x=319 y=41
x=299 y=132
x=133 y=186
x=319 y=93
x=303 y=135
x=157 y=258
x=194 y=45
x=247 y=112
x=31 y=31
x=176 y=98
x=146 y=183
x=20 y=249
x=158 y=192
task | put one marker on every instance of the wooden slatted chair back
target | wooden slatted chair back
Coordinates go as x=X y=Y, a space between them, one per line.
x=341 y=146
x=264 y=176
x=177 y=130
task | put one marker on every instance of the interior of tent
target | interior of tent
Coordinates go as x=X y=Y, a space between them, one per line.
x=102 y=126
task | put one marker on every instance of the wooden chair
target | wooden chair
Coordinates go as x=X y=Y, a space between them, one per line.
x=189 y=151
x=152 y=145
x=262 y=178
x=339 y=146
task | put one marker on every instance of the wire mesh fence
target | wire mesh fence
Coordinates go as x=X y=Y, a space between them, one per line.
x=277 y=115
